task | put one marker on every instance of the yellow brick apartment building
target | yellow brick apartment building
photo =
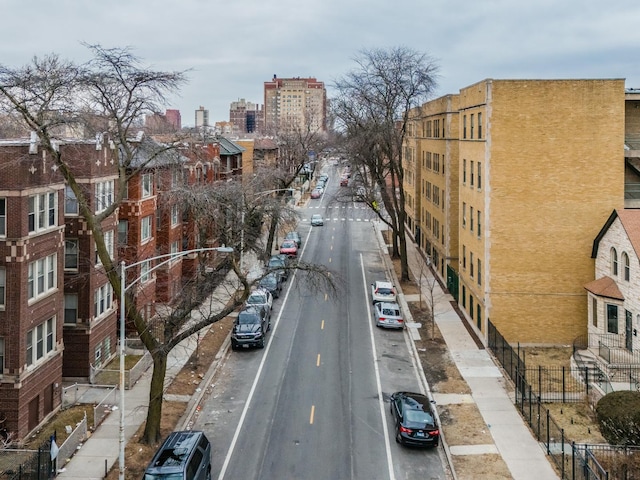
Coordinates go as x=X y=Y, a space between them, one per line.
x=512 y=181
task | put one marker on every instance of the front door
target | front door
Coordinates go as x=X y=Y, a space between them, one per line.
x=628 y=330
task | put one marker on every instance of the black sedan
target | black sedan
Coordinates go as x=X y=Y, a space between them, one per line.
x=414 y=420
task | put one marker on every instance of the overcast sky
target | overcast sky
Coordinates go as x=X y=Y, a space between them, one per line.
x=231 y=47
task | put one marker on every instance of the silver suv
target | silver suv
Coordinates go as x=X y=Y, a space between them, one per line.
x=382 y=292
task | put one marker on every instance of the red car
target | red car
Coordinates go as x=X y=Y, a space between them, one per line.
x=289 y=247
x=344 y=182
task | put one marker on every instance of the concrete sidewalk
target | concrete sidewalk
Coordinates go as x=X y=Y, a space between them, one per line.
x=513 y=440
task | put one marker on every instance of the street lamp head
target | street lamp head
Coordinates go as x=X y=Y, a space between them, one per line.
x=224 y=249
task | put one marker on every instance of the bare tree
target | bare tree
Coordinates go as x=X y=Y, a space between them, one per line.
x=373 y=108
x=108 y=96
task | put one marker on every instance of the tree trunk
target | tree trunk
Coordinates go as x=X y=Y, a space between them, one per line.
x=152 y=433
x=272 y=233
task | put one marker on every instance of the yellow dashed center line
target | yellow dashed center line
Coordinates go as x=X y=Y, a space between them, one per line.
x=318 y=361
x=313 y=411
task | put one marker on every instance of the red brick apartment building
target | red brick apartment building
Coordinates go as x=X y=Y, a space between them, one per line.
x=50 y=290
x=53 y=289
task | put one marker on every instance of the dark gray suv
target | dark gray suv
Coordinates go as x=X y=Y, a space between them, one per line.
x=250 y=328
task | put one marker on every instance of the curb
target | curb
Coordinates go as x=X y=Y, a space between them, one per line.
x=414 y=352
x=194 y=406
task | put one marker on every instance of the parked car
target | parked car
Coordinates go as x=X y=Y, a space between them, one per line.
x=388 y=315
x=278 y=264
x=321 y=184
x=323 y=178
x=272 y=283
x=289 y=247
x=295 y=236
x=382 y=291
x=344 y=181
x=183 y=455
x=250 y=328
x=414 y=420
x=316 y=193
x=260 y=298
x=317 y=220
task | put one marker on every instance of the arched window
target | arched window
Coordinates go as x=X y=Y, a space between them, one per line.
x=626 y=266
x=614 y=262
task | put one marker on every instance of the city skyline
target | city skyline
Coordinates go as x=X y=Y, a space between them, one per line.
x=230 y=56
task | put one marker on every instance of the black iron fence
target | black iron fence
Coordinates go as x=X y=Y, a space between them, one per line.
x=534 y=387
x=18 y=464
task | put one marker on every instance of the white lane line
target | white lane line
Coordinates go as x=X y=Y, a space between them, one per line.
x=387 y=445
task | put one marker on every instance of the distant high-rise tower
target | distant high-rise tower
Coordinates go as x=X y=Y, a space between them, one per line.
x=246 y=117
x=202 y=117
x=294 y=103
x=174 y=119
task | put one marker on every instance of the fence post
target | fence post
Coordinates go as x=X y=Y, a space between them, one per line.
x=564 y=384
x=562 y=452
x=548 y=434
x=540 y=380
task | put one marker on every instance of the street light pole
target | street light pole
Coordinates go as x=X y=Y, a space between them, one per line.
x=123 y=289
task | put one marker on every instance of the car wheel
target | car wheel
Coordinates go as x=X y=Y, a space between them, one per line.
x=398 y=437
x=209 y=474
x=261 y=344
x=234 y=345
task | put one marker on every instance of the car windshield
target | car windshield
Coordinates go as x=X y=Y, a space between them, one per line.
x=289 y=244
x=246 y=318
x=292 y=236
x=384 y=291
x=418 y=416
x=256 y=300
x=269 y=280
x=276 y=262
x=391 y=311
x=163 y=476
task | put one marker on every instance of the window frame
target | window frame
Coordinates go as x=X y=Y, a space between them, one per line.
x=614 y=262
x=42 y=212
x=71 y=207
x=3 y=287
x=3 y=217
x=40 y=342
x=42 y=277
x=70 y=308
x=146 y=225
x=68 y=254
x=146 y=185
x=626 y=267
x=612 y=320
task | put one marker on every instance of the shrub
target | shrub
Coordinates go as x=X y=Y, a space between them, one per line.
x=618 y=415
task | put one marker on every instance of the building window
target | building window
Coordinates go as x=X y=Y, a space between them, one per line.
x=614 y=262
x=479 y=272
x=3 y=217
x=41 y=341
x=175 y=215
x=71 y=252
x=594 y=313
x=472 y=173
x=479 y=218
x=42 y=277
x=479 y=125
x=70 y=308
x=471 y=124
x=123 y=231
x=104 y=195
x=626 y=266
x=98 y=355
x=464 y=215
x=1 y=355
x=464 y=126
x=42 y=211
x=102 y=299
x=174 y=249
x=612 y=318
x=471 y=218
x=147 y=185
x=464 y=257
x=145 y=271
x=108 y=243
x=464 y=171
x=471 y=264
x=3 y=287
x=479 y=175
x=464 y=296
x=70 y=201
x=146 y=228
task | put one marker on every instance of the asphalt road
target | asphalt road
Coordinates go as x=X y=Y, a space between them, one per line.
x=313 y=404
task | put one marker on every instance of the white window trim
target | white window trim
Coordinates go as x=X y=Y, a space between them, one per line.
x=3 y=218
x=40 y=210
x=102 y=300
x=145 y=233
x=47 y=330
x=70 y=199
x=146 y=184
x=47 y=268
